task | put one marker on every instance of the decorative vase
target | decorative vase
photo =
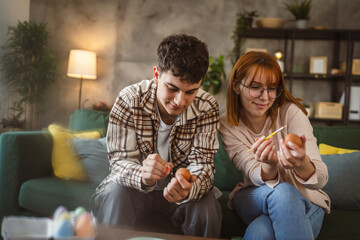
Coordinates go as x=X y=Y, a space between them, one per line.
x=301 y=23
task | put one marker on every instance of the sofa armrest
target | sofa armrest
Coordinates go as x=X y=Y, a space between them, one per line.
x=23 y=156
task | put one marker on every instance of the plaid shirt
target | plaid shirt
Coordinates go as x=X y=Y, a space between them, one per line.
x=132 y=136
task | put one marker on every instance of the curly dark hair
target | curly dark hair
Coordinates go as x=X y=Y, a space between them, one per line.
x=185 y=56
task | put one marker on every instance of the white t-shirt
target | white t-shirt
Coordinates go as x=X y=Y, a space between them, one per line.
x=163 y=141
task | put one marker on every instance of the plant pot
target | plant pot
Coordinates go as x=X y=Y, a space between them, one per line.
x=301 y=23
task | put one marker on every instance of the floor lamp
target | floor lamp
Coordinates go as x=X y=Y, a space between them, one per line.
x=82 y=64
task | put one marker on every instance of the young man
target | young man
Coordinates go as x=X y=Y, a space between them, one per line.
x=156 y=127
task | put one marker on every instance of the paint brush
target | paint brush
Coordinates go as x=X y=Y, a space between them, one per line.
x=273 y=134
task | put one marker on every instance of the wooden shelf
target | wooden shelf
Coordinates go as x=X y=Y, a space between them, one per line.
x=315 y=77
x=305 y=34
x=290 y=36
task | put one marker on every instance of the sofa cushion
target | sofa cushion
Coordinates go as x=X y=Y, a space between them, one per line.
x=92 y=153
x=343 y=185
x=340 y=224
x=226 y=174
x=327 y=149
x=87 y=119
x=44 y=195
x=63 y=160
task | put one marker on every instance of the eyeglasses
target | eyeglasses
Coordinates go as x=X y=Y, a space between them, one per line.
x=257 y=91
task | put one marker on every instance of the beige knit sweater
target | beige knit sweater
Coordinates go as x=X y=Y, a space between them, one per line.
x=238 y=139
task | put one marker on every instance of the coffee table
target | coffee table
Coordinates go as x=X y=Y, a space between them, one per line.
x=109 y=233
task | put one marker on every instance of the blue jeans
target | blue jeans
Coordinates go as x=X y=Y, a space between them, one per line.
x=278 y=213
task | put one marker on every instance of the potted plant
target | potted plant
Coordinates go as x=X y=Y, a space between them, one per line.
x=15 y=122
x=300 y=10
x=215 y=75
x=29 y=66
x=243 y=22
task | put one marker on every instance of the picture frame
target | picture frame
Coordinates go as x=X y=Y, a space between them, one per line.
x=356 y=67
x=318 y=65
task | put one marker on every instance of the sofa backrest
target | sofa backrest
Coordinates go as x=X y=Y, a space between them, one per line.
x=338 y=136
x=226 y=174
x=87 y=120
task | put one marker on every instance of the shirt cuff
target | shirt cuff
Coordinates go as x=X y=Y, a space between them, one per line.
x=191 y=195
x=258 y=181
x=311 y=181
x=145 y=188
x=274 y=182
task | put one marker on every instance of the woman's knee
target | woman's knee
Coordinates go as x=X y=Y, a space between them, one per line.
x=285 y=191
x=260 y=228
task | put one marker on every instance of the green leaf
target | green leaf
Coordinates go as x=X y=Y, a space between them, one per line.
x=215 y=75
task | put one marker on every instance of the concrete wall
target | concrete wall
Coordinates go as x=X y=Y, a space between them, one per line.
x=125 y=35
x=11 y=11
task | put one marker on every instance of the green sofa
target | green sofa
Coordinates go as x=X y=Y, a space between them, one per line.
x=28 y=186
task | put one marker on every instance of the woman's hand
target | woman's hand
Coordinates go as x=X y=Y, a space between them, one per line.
x=294 y=157
x=264 y=151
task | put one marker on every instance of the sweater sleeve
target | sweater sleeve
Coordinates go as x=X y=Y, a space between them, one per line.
x=237 y=141
x=297 y=122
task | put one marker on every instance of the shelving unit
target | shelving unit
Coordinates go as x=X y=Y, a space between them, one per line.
x=291 y=35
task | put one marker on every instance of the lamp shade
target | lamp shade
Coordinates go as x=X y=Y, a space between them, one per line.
x=82 y=64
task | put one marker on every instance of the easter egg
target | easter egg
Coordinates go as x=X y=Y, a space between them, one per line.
x=58 y=211
x=291 y=137
x=62 y=216
x=84 y=226
x=79 y=211
x=64 y=229
x=184 y=172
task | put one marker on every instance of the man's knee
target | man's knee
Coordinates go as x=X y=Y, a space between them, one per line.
x=114 y=205
x=114 y=194
x=204 y=217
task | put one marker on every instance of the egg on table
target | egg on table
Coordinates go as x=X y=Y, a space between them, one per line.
x=84 y=226
x=79 y=211
x=59 y=211
x=63 y=228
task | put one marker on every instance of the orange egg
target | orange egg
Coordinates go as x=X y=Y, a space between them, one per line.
x=184 y=172
x=84 y=226
x=294 y=139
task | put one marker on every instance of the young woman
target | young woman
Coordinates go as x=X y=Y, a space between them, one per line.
x=280 y=197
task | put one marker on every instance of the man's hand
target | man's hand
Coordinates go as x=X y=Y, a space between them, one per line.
x=178 y=188
x=153 y=169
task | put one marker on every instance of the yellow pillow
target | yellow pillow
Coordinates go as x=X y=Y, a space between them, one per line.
x=327 y=149
x=64 y=162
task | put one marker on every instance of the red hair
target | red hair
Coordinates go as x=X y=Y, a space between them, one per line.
x=248 y=66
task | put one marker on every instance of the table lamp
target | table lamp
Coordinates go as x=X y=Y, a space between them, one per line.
x=82 y=64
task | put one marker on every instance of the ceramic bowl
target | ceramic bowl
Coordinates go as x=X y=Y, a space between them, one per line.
x=270 y=23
